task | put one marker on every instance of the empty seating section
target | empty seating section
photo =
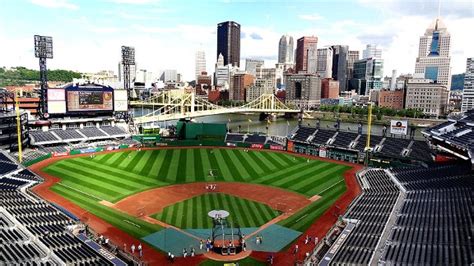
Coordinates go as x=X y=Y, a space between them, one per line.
x=7 y=167
x=114 y=131
x=5 y=158
x=420 y=150
x=442 y=125
x=372 y=210
x=434 y=225
x=344 y=139
x=92 y=132
x=322 y=136
x=68 y=134
x=302 y=133
x=10 y=184
x=43 y=223
x=72 y=134
x=255 y=139
x=235 y=137
x=394 y=147
x=464 y=139
x=43 y=136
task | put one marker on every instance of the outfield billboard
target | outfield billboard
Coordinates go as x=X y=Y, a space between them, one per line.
x=120 y=101
x=89 y=100
x=398 y=127
x=56 y=101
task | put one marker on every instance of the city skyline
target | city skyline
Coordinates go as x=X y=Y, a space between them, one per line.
x=165 y=37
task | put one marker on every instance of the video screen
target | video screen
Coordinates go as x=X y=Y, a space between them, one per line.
x=89 y=101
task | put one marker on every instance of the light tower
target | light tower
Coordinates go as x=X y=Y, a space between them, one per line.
x=128 y=59
x=43 y=50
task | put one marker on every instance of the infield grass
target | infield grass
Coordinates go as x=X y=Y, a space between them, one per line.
x=192 y=213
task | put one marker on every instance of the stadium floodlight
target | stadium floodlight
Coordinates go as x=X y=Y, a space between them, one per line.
x=43 y=51
x=128 y=55
x=43 y=46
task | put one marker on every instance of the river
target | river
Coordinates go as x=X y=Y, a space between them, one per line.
x=279 y=127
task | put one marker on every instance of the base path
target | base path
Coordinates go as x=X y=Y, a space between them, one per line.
x=154 y=200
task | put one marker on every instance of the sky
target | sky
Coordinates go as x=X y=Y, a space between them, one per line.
x=88 y=34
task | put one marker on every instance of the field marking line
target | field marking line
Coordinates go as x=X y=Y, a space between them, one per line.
x=80 y=191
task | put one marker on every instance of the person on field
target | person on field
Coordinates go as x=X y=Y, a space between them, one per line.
x=133 y=248
x=124 y=247
x=185 y=253
x=192 y=252
x=200 y=244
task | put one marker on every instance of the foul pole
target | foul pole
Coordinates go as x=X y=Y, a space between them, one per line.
x=18 y=125
x=369 y=128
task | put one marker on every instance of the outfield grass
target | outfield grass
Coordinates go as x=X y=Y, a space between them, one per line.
x=114 y=176
x=133 y=226
x=192 y=213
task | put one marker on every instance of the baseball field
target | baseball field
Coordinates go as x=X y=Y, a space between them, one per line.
x=98 y=183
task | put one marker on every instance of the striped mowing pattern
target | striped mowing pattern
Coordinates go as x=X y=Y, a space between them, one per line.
x=114 y=176
x=192 y=213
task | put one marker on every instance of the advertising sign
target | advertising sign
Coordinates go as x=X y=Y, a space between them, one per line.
x=256 y=146
x=276 y=147
x=398 y=127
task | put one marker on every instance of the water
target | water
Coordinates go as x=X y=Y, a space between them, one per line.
x=279 y=127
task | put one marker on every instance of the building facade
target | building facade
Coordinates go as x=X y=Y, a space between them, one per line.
x=468 y=91
x=303 y=90
x=367 y=75
x=429 y=97
x=329 y=89
x=391 y=99
x=228 y=42
x=306 y=53
x=324 y=62
x=433 y=61
x=261 y=86
x=286 y=50
x=240 y=83
x=251 y=65
x=200 y=63
x=371 y=51
x=273 y=75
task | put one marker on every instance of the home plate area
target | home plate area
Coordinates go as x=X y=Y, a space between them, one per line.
x=272 y=239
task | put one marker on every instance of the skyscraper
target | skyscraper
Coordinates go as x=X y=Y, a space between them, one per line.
x=433 y=61
x=371 y=51
x=228 y=42
x=285 y=50
x=200 y=62
x=306 y=51
x=340 y=56
x=324 y=62
x=468 y=91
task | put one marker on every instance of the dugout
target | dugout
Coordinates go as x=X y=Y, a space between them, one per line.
x=187 y=130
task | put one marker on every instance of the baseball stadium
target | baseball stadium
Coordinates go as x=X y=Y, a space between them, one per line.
x=93 y=183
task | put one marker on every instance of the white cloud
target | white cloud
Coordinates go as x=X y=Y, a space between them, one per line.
x=55 y=4
x=134 y=2
x=311 y=17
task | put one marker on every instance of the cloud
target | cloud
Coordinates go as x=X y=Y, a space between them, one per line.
x=134 y=2
x=311 y=17
x=380 y=39
x=256 y=36
x=242 y=35
x=455 y=8
x=55 y=4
